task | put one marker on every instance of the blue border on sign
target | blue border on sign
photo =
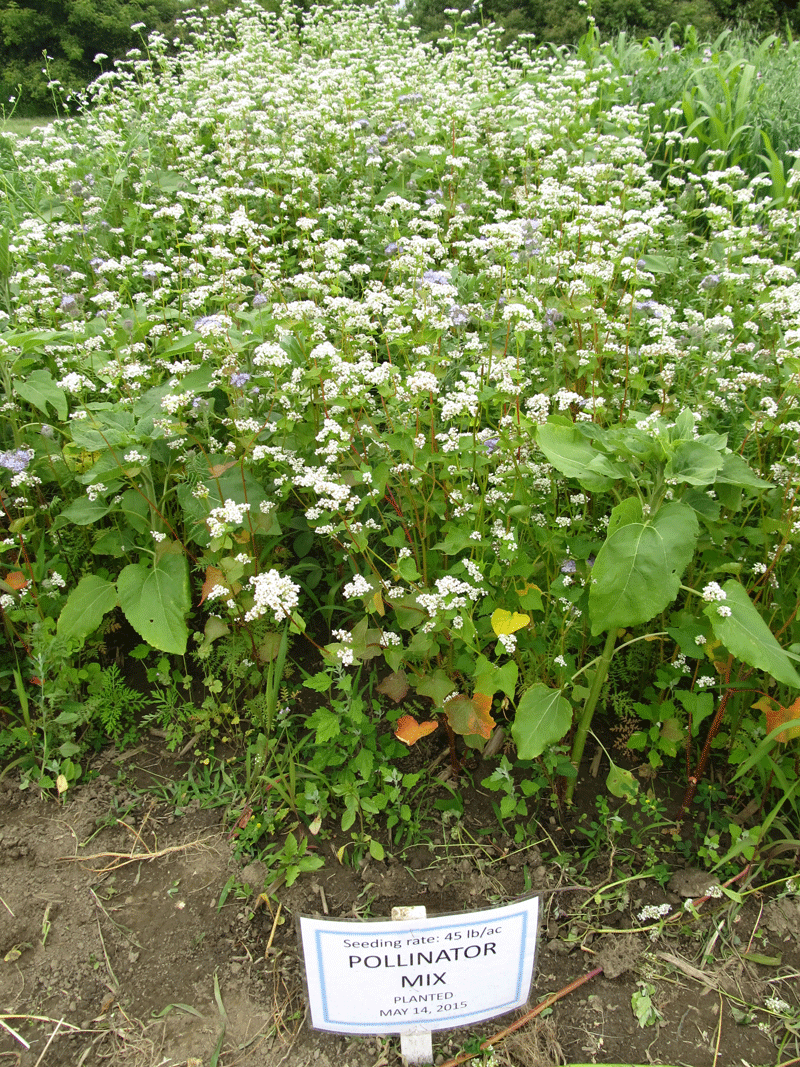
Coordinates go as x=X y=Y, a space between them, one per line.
x=409 y=930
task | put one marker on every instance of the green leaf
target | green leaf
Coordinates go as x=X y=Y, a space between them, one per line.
x=543 y=717
x=326 y=725
x=747 y=636
x=638 y=570
x=376 y=850
x=626 y=512
x=82 y=512
x=694 y=462
x=89 y=601
x=437 y=686
x=570 y=452
x=156 y=601
x=39 y=388
x=621 y=783
x=735 y=471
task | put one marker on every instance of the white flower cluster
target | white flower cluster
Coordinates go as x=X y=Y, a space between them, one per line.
x=653 y=911
x=272 y=592
x=358 y=587
x=230 y=514
x=451 y=593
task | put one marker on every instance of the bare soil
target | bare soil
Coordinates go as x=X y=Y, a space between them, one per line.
x=119 y=945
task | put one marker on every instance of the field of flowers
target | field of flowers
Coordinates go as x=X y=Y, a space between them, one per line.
x=477 y=372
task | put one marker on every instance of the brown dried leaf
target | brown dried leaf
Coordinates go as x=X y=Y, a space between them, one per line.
x=394 y=685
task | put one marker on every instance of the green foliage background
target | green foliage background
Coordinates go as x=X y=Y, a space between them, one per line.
x=564 y=21
x=71 y=33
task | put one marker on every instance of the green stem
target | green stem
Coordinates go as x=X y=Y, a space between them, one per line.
x=588 y=708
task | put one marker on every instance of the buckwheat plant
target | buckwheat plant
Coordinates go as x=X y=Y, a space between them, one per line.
x=305 y=315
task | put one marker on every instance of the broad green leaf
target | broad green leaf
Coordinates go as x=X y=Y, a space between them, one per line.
x=39 y=388
x=91 y=599
x=156 y=601
x=136 y=510
x=82 y=512
x=694 y=462
x=626 y=512
x=543 y=717
x=638 y=570
x=492 y=678
x=437 y=686
x=745 y=634
x=569 y=451
x=735 y=471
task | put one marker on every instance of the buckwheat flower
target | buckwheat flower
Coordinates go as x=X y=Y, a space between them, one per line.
x=135 y=457
x=701 y=639
x=780 y=1007
x=422 y=381
x=74 y=382
x=94 y=491
x=713 y=592
x=509 y=642
x=16 y=461
x=157 y=536
x=7 y=601
x=358 y=587
x=210 y=325
x=272 y=592
x=653 y=911
x=714 y=891
x=724 y=611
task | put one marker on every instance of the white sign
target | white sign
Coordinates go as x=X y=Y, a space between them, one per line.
x=424 y=974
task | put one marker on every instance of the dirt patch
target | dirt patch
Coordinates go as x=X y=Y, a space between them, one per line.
x=130 y=935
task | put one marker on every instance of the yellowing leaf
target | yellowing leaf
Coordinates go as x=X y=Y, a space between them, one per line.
x=508 y=622
x=214 y=576
x=377 y=603
x=62 y=785
x=16 y=580
x=470 y=717
x=776 y=715
x=409 y=731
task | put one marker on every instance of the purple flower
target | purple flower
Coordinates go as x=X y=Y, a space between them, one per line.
x=569 y=566
x=491 y=443
x=239 y=379
x=436 y=277
x=711 y=281
x=18 y=461
x=259 y=300
x=458 y=316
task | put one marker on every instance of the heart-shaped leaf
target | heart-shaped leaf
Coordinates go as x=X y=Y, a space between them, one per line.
x=409 y=731
x=508 y=622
